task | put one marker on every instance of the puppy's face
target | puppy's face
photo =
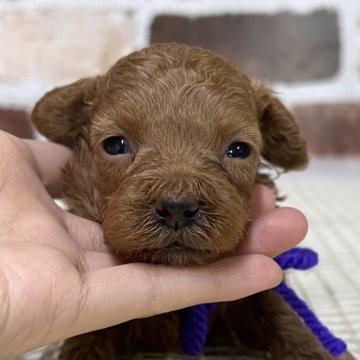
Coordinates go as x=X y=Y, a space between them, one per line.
x=177 y=160
x=167 y=146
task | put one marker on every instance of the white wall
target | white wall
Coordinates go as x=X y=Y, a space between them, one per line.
x=41 y=45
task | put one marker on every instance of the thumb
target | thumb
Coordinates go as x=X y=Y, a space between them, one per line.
x=125 y=292
x=49 y=159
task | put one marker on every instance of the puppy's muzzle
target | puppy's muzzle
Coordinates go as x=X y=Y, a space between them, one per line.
x=177 y=212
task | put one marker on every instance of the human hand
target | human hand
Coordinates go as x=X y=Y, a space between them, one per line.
x=58 y=279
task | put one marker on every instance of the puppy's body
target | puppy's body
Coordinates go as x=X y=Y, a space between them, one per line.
x=167 y=147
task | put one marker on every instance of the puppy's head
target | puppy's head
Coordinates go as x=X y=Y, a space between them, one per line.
x=166 y=149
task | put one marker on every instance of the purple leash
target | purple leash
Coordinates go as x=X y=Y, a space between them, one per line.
x=304 y=259
x=195 y=327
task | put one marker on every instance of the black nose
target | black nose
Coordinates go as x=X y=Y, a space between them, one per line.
x=176 y=212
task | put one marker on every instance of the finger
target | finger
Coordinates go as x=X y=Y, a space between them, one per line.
x=262 y=201
x=275 y=232
x=20 y=177
x=137 y=290
x=97 y=260
x=50 y=159
x=87 y=234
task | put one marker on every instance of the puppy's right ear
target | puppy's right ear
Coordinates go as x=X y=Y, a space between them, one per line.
x=62 y=113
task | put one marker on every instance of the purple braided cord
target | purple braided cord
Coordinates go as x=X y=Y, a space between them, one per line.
x=297 y=258
x=331 y=343
x=194 y=329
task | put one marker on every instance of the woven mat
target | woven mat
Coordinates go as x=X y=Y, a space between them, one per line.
x=329 y=194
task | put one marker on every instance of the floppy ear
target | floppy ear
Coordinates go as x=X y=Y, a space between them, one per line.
x=283 y=143
x=61 y=114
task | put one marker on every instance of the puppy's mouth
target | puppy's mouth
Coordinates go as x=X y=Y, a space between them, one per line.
x=178 y=247
x=174 y=255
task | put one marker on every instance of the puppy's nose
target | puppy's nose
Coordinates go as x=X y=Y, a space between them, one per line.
x=176 y=212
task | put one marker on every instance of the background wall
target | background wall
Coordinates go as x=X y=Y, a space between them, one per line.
x=308 y=50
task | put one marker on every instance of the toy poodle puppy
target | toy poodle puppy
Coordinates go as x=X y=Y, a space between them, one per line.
x=167 y=146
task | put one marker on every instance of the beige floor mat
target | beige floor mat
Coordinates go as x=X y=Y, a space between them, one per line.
x=329 y=194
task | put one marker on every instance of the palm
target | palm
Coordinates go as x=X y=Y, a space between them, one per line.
x=45 y=251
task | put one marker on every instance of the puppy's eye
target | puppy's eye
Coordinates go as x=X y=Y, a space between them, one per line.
x=238 y=150
x=116 y=145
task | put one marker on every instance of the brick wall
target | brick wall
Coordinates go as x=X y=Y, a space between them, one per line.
x=308 y=50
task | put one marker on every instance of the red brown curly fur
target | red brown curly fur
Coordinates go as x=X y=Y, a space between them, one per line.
x=179 y=107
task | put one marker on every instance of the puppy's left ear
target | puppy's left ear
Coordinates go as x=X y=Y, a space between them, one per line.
x=283 y=142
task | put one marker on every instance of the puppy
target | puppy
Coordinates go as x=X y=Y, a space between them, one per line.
x=167 y=146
